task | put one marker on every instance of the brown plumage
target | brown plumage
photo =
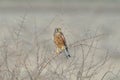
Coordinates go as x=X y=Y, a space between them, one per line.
x=59 y=40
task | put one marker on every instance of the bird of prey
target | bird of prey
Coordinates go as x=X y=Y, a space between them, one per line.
x=60 y=42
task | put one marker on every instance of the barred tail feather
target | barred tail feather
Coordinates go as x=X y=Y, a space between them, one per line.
x=67 y=52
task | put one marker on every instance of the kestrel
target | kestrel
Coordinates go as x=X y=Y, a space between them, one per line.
x=60 y=42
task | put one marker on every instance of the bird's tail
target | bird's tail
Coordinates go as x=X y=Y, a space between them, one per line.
x=67 y=52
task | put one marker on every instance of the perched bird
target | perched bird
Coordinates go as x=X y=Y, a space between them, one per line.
x=60 y=42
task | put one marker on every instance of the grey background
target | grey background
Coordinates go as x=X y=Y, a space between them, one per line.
x=78 y=19
x=78 y=14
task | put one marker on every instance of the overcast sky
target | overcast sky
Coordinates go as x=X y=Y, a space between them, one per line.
x=64 y=0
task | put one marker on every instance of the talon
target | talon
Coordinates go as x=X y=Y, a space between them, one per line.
x=58 y=51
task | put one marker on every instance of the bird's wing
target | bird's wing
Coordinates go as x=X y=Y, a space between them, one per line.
x=63 y=37
x=59 y=40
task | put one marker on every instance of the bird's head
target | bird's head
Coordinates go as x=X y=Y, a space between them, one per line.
x=58 y=30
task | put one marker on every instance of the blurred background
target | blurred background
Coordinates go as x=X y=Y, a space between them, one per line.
x=77 y=17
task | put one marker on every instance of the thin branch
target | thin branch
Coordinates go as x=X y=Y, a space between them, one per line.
x=108 y=72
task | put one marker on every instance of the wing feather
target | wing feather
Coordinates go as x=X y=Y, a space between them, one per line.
x=59 y=40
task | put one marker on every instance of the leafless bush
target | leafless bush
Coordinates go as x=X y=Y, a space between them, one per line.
x=32 y=59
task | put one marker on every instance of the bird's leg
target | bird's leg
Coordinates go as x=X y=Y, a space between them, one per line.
x=63 y=48
x=57 y=50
